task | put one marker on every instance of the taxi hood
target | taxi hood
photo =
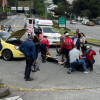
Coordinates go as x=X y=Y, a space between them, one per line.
x=18 y=34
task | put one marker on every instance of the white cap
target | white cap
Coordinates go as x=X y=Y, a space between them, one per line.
x=66 y=34
x=88 y=47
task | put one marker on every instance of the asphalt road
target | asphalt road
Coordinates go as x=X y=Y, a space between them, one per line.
x=90 y=31
x=51 y=76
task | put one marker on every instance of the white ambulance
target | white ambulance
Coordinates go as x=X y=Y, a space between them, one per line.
x=47 y=29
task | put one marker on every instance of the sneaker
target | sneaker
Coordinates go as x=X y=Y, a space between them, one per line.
x=29 y=79
x=85 y=72
x=69 y=71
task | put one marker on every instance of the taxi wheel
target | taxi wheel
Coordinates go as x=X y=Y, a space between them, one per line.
x=7 y=55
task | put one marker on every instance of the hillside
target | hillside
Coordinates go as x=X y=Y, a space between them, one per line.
x=26 y=4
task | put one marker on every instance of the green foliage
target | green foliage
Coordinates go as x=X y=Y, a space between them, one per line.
x=58 y=1
x=39 y=7
x=13 y=2
x=63 y=9
x=87 y=8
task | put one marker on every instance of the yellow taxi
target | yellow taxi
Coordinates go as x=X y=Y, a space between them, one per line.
x=10 y=44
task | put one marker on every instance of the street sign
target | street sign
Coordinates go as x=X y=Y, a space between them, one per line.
x=26 y=8
x=13 y=8
x=20 y=8
x=62 y=22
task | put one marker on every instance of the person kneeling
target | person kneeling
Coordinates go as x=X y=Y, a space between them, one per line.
x=76 y=59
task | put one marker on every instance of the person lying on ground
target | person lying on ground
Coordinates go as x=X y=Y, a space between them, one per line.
x=51 y=59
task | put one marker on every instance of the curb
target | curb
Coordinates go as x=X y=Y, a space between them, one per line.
x=93 y=44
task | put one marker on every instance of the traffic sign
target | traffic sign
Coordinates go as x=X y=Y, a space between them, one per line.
x=26 y=8
x=62 y=22
x=13 y=8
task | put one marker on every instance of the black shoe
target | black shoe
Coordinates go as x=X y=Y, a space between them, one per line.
x=43 y=61
x=29 y=79
x=91 y=69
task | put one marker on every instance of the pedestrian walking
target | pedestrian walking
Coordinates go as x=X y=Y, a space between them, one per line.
x=28 y=48
x=66 y=47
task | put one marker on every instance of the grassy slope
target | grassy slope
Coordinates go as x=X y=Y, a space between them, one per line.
x=26 y=4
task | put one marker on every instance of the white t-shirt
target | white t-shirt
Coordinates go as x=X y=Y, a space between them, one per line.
x=81 y=39
x=74 y=55
x=75 y=40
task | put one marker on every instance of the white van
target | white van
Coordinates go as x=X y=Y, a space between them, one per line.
x=47 y=29
x=85 y=21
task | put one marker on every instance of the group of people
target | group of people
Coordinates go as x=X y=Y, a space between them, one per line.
x=6 y=28
x=77 y=52
x=70 y=49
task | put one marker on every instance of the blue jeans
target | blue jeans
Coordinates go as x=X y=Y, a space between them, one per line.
x=78 y=62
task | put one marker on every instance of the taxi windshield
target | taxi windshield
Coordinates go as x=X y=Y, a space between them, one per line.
x=4 y=35
x=49 y=30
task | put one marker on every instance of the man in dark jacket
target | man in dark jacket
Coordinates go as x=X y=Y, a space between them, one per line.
x=28 y=48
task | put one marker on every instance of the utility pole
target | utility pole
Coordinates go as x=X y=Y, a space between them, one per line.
x=3 y=5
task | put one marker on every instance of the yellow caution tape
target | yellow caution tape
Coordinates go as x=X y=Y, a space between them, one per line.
x=17 y=26
x=96 y=73
x=50 y=89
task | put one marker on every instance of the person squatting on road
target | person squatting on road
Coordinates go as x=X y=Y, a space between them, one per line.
x=89 y=57
x=76 y=59
x=44 y=47
x=66 y=47
x=28 y=48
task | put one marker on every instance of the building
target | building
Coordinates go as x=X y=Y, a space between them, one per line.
x=70 y=1
x=4 y=3
x=48 y=1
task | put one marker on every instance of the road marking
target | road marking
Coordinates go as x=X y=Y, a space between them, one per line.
x=49 y=89
x=17 y=26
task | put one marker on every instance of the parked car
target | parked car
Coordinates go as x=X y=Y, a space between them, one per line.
x=10 y=44
x=72 y=22
x=90 y=24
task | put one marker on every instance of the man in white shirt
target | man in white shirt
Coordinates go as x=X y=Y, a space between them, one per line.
x=76 y=59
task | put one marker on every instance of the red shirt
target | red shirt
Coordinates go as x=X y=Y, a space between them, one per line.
x=90 y=55
x=67 y=44
x=45 y=41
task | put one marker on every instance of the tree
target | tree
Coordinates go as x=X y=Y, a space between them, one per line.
x=13 y=2
x=39 y=7
x=58 y=1
x=89 y=8
x=63 y=9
